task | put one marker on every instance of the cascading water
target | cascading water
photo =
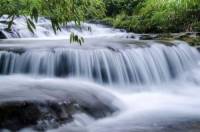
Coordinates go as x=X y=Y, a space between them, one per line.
x=121 y=85
x=123 y=66
x=44 y=29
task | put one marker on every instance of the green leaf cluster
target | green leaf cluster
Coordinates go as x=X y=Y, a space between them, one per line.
x=60 y=12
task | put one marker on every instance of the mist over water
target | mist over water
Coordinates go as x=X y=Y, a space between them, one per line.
x=154 y=87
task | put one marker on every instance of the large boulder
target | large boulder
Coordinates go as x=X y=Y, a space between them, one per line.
x=44 y=104
x=40 y=115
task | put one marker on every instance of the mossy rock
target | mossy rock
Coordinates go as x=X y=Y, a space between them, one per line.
x=191 y=38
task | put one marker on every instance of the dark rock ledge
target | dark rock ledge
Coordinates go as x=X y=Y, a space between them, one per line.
x=193 y=38
x=41 y=116
x=47 y=104
x=2 y=35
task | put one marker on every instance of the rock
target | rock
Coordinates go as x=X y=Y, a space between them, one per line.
x=198 y=48
x=18 y=115
x=17 y=50
x=44 y=115
x=167 y=43
x=184 y=35
x=122 y=30
x=2 y=35
x=165 y=36
x=182 y=126
x=191 y=38
x=148 y=37
x=47 y=104
x=190 y=33
x=198 y=34
x=131 y=36
x=4 y=22
x=112 y=48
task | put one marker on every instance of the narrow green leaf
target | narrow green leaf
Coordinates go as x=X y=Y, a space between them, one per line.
x=31 y=23
x=29 y=27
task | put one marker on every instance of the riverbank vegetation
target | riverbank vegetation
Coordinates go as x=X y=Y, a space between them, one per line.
x=154 y=16
x=141 y=16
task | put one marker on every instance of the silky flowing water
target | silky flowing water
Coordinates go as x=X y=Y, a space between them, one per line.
x=155 y=86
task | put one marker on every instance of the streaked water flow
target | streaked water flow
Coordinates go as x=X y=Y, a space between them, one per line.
x=155 y=86
x=154 y=64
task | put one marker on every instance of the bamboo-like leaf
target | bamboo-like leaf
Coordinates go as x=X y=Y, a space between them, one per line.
x=10 y=23
x=35 y=14
x=30 y=28
x=31 y=23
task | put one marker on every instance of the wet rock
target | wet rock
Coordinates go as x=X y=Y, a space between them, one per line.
x=131 y=36
x=17 y=50
x=148 y=37
x=47 y=104
x=165 y=36
x=198 y=48
x=2 y=35
x=112 y=49
x=122 y=30
x=44 y=115
x=4 y=22
x=98 y=112
x=39 y=115
x=191 y=38
x=167 y=43
x=198 y=34
x=182 y=126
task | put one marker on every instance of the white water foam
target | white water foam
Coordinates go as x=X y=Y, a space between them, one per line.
x=45 y=31
x=155 y=87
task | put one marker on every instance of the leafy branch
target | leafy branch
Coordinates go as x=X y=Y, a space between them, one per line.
x=59 y=12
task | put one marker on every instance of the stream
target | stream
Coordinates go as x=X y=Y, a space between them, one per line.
x=114 y=82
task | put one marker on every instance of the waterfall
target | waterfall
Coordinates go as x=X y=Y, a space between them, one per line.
x=153 y=64
x=113 y=82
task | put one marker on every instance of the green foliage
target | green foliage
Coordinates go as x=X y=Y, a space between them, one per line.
x=172 y=15
x=76 y=38
x=115 y=7
x=196 y=26
x=60 y=12
x=133 y=15
x=155 y=15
